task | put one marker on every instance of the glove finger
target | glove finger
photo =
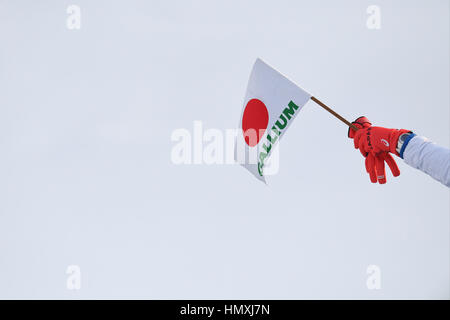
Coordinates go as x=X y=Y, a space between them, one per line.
x=362 y=148
x=392 y=164
x=360 y=122
x=357 y=138
x=351 y=131
x=379 y=165
x=370 y=168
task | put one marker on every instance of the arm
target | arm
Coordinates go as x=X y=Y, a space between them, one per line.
x=377 y=144
x=422 y=154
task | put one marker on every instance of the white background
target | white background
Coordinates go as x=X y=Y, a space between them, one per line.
x=86 y=176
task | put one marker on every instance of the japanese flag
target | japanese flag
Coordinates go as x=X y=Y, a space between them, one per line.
x=271 y=103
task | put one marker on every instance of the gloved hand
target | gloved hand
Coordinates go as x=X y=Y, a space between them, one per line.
x=375 y=139
x=375 y=143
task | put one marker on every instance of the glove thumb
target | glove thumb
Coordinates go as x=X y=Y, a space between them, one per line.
x=360 y=123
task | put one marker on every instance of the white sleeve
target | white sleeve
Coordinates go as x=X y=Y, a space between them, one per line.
x=434 y=160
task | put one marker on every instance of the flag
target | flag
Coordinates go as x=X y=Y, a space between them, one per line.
x=271 y=103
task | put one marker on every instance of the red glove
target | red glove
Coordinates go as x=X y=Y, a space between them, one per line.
x=375 y=143
x=375 y=167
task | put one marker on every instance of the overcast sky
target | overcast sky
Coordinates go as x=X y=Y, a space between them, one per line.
x=87 y=179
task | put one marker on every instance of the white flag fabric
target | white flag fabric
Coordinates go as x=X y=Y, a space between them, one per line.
x=271 y=103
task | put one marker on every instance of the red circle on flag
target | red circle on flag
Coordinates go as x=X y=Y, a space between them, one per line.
x=254 y=121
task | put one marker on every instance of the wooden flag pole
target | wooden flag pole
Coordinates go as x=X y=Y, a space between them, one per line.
x=334 y=113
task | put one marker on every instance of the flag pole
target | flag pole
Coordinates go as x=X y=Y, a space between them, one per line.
x=334 y=113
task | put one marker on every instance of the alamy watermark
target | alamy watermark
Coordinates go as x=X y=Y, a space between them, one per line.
x=73 y=21
x=197 y=145
x=373 y=281
x=73 y=281
x=374 y=19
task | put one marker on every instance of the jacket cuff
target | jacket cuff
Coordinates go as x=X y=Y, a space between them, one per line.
x=405 y=143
